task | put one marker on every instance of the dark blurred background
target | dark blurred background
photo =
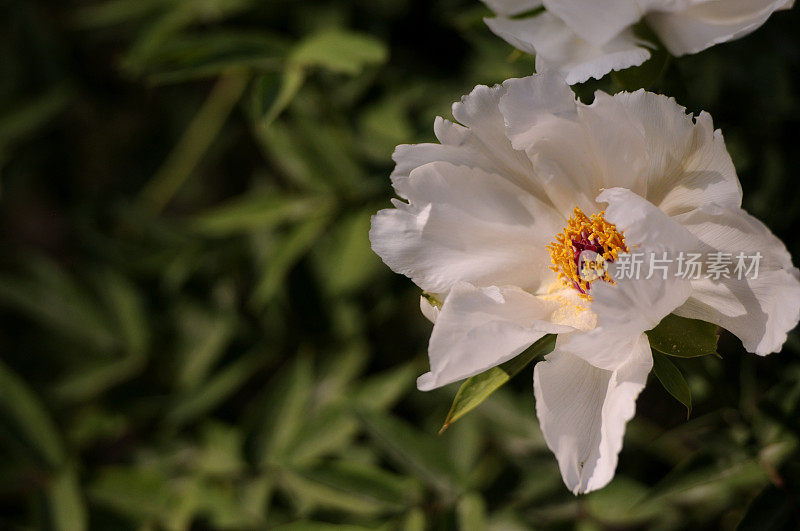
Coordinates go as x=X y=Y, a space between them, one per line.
x=195 y=334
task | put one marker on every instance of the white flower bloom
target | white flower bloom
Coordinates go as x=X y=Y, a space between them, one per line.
x=587 y=39
x=491 y=217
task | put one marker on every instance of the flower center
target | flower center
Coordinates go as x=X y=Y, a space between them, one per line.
x=581 y=251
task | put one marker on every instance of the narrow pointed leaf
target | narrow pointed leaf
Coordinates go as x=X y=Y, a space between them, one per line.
x=480 y=387
x=25 y=413
x=672 y=380
x=273 y=92
x=415 y=451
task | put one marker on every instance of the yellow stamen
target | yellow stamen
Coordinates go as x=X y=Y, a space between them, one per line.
x=582 y=229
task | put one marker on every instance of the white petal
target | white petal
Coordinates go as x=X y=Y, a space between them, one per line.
x=657 y=150
x=558 y=47
x=708 y=23
x=512 y=7
x=532 y=104
x=463 y=224
x=541 y=118
x=524 y=34
x=686 y=162
x=479 y=328
x=759 y=311
x=596 y=22
x=646 y=228
x=583 y=410
x=479 y=111
x=634 y=305
x=640 y=141
x=626 y=309
x=479 y=143
x=576 y=152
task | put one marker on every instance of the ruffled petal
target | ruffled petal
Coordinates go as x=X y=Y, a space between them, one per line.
x=583 y=410
x=558 y=47
x=463 y=224
x=760 y=311
x=596 y=22
x=641 y=141
x=478 y=142
x=535 y=104
x=479 y=328
x=659 y=151
x=708 y=23
x=479 y=112
x=542 y=119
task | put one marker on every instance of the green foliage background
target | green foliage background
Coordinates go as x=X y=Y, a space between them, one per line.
x=194 y=333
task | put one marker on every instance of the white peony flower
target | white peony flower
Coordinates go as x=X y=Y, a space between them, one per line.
x=587 y=38
x=492 y=215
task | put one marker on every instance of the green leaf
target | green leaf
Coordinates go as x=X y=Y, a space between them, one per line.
x=646 y=75
x=273 y=92
x=471 y=512
x=286 y=146
x=210 y=53
x=112 y=12
x=672 y=380
x=772 y=510
x=138 y=492
x=53 y=299
x=382 y=390
x=29 y=117
x=126 y=306
x=695 y=473
x=330 y=153
x=355 y=487
x=225 y=382
x=340 y=51
x=287 y=253
x=339 y=370
x=651 y=71
x=386 y=124
x=221 y=506
x=90 y=380
x=147 y=47
x=284 y=406
x=323 y=433
x=480 y=387
x=257 y=212
x=204 y=339
x=66 y=508
x=345 y=260
x=413 y=520
x=621 y=504
x=308 y=525
x=684 y=338
x=195 y=141
x=221 y=449
x=22 y=408
x=417 y=452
